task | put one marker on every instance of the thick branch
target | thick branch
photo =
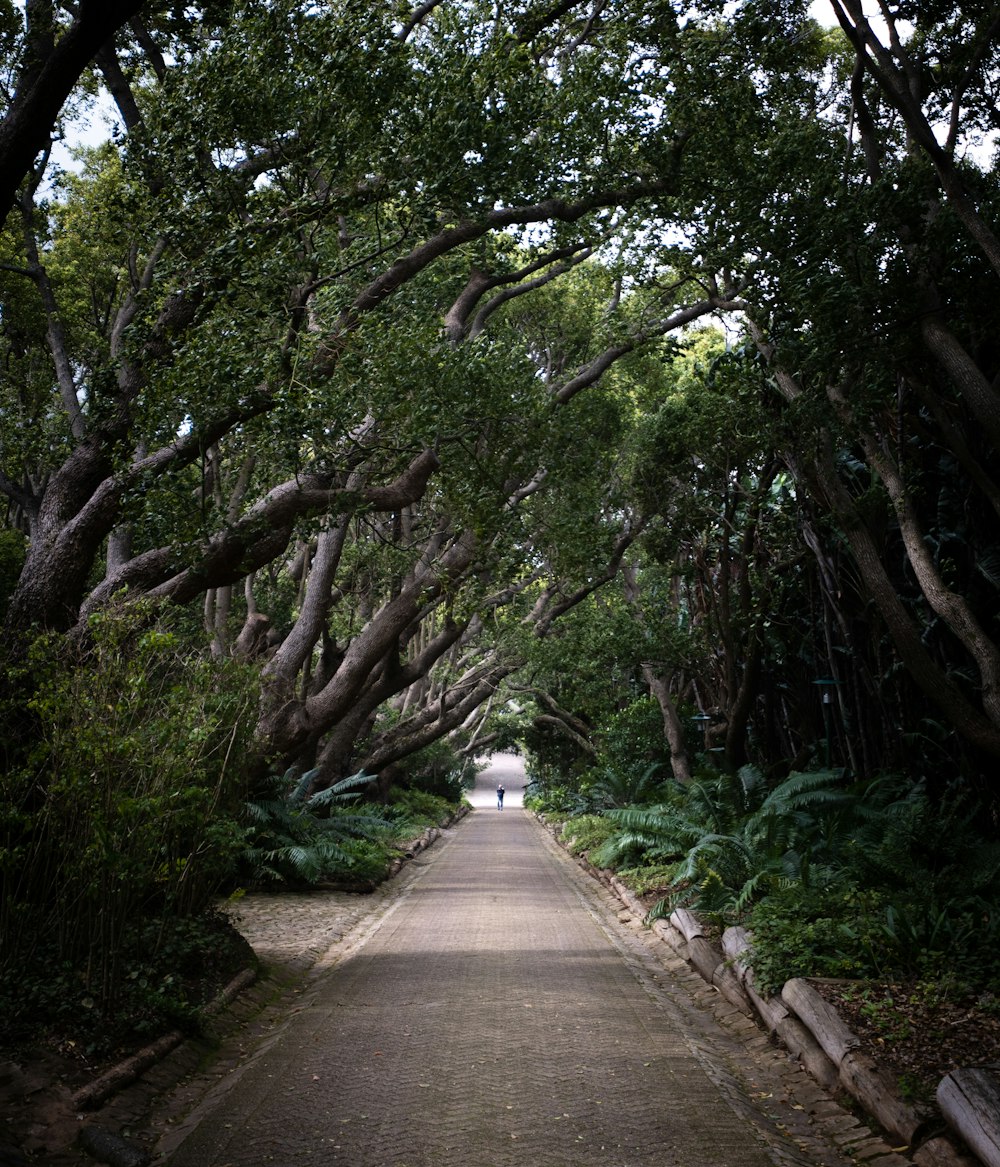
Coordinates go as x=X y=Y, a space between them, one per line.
x=261 y=535
x=457 y=317
x=543 y=618
x=450 y=238
x=431 y=725
x=46 y=81
x=600 y=365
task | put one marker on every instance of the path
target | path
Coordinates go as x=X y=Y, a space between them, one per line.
x=496 y=1013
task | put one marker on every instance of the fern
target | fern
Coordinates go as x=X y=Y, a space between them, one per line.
x=733 y=840
x=615 y=788
x=300 y=839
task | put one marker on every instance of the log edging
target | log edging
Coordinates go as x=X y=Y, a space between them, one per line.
x=970 y=1100
x=814 y=1033
x=100 y=1089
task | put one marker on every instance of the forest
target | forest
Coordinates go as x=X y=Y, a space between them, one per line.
x=383 y=386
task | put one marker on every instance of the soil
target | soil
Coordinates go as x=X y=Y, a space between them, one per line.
x=918 y=1036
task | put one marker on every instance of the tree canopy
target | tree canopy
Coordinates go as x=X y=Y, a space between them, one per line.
x=376 y=341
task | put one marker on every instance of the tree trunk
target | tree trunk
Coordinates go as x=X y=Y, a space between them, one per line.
x=673 y=731
x=968 y=721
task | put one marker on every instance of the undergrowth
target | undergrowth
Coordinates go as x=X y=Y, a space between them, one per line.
x=168 y=970
x=832 y=879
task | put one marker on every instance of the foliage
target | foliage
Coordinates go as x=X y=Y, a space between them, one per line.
x=585 y=833
x=438 y=769
x=912 y=893
x=624 y=785
x=124 y=810
x=169 y=969
x=415 y=809
x=325 y=248
x=555 y=800
x=630 y=740
x=13 y=547
x=824 y=930
x=299 y=840
x=648 y=878
x=867 y=881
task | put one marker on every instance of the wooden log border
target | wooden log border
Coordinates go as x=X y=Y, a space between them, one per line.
x=96 y=1092
x=814 y=1033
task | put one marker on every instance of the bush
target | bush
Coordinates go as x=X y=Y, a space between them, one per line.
x=913 y=892
x=827 y=930
x=301 y=841
x=368 y=860
x=414 y=810
x=125 y=808
x=586 y=832
x=438 y=769
x=613 y=786
x=555 y=800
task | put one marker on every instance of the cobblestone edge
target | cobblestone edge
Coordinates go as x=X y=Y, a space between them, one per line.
x=794 y=1019
x=168 y=1060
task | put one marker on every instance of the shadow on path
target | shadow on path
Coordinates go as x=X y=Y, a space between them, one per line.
x=497 y=1013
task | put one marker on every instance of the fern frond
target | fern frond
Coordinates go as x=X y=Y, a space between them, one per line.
x=346 y=790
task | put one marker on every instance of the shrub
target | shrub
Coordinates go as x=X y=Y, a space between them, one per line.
x=830 y=930
x=297 y=840
x=912 y=893
x=586 y=832
x=124 y=810
x=413 y=810
x=615 y=786
x=367 y=860
x=555 y=800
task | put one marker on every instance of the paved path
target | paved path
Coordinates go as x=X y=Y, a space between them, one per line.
x=496 y=1012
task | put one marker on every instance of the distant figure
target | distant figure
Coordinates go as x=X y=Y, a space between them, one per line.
x=499 y=798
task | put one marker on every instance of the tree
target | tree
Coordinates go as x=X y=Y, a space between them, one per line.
x=868 y=301
x=254 y=352
x=44 y=58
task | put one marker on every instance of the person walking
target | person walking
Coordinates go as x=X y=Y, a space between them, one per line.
x=500 y=798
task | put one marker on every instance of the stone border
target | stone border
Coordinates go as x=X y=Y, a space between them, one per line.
x=812 y=1031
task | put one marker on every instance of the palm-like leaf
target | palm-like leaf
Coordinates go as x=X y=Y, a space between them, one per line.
x=301 y=838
